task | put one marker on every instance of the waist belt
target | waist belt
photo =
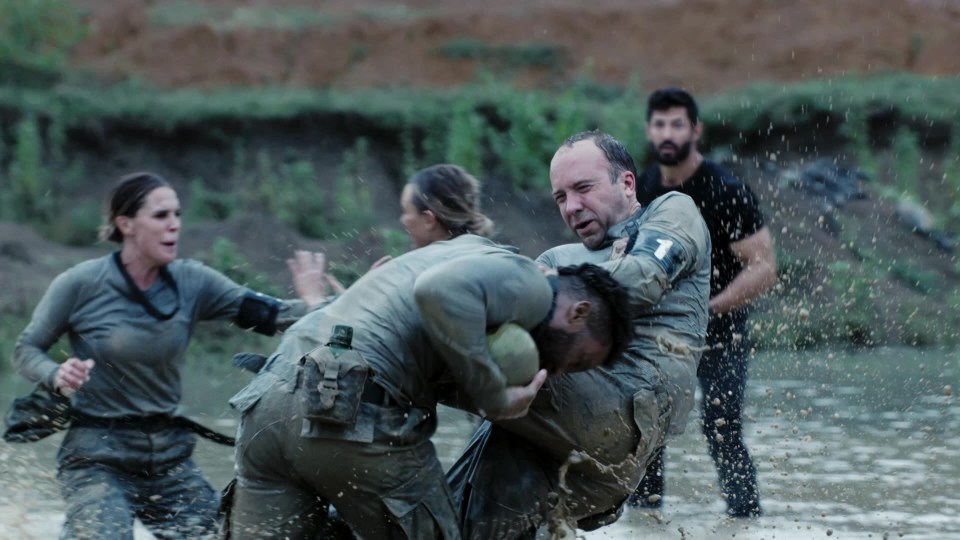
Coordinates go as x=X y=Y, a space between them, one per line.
x=150 y=423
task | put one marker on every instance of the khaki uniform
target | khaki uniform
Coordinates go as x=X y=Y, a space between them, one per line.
x=420 y=322
x=615 y=416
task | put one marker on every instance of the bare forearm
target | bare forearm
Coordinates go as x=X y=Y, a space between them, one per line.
x=749 y=284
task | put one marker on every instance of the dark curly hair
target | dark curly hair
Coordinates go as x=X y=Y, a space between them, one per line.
x=612 y=319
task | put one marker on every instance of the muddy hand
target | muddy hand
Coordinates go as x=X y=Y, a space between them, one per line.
x=520 y=397
x=72 y=374
x=619 y=249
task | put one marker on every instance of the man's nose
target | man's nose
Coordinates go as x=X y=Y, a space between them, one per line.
x=573 y=204
x=666 y=133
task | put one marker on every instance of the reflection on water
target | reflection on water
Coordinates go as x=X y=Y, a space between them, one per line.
x=846 y=445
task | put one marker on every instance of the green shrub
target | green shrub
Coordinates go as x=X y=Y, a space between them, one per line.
x=513 y=56
x=951 y=179
x=225 y=257
x=395 y=242
x=74 y=224
x=855 y=310
x=207 y=204
x=465 y=137
x=857 y=132
x=523 y=151
x=907 y=160
x=409 y=163
x=29 y=188
x=352 y=202
x=38 y=33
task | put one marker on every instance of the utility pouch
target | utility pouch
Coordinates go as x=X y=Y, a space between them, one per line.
x=332 y=384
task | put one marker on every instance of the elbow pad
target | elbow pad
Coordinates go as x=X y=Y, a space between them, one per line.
x=258 y=312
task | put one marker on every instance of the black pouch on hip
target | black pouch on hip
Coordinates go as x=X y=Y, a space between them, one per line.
x=333 y=381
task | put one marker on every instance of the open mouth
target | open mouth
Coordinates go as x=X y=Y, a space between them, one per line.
x=582 y=225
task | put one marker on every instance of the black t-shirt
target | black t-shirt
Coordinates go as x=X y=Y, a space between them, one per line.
x=728 y=206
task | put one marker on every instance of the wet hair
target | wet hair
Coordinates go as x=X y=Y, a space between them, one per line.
x=453 y=196
x=665 y=99
x=126 y=199
x=610 y=320
x=616 y=153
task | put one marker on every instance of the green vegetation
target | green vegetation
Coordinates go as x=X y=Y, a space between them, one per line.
x=35 y=39
x=859 y=150
x=505 y=57
x=511 y=133
x=489 y=127
x=38 y=181
x=183 y=13
x=950 y=181
x=907 y=160
x=226 y=258
x=758 y=107
x=495 y=131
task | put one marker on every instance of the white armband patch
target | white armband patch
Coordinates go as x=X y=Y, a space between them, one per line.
x=663 y=247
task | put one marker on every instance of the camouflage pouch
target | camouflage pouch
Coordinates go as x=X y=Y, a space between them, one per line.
x=332 y=384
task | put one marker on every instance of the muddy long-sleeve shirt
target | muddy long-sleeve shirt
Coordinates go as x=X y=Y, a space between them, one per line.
x=666 y=268
x=421 y=320
x=138 y=356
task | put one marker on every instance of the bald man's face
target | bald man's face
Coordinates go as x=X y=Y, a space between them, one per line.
x=589 y=201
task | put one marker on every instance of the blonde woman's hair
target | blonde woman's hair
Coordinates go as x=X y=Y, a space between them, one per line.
x=453 y=196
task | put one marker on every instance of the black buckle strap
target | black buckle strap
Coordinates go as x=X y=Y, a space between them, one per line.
x=150 y=424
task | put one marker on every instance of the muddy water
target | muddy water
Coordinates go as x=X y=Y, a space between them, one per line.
x=863 y=445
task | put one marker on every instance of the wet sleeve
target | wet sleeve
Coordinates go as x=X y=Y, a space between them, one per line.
x=221 y=297
x=460 y=299
x=670 y=244
x=51 y=319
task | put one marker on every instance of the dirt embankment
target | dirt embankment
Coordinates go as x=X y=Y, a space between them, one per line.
x=704 y=45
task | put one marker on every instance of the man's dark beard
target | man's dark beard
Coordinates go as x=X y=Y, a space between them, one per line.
x=554 y=347
x=681 y=154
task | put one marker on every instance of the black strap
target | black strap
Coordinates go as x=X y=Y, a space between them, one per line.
x=151 y=423
x=142 y=298
x=204 y=431
x=633 y=231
